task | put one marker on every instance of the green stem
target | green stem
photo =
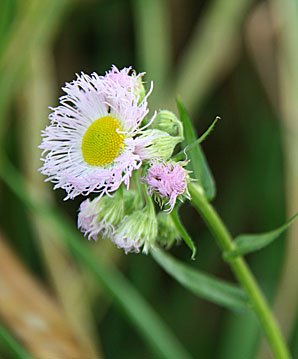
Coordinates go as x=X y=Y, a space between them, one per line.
x=139 y=197
x=242 y=272
x=149 y=204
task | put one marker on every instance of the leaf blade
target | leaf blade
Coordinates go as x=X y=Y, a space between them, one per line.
x=201 y=284
x=247 y=243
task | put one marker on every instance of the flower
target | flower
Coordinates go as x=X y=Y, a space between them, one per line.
x=91 y=143
x=137 y=230
x=102 y=215
x=167 y=181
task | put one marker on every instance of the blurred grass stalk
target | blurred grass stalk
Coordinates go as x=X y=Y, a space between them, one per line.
x=153 y=41
x=280 y=20
x=211 y=52
x=30 y=37
x=30 y=312
x=67 y=279
x=9 y=345
x=285 y=14
x=32 y=27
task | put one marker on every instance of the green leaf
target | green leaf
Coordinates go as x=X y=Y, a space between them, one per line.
x=183 y=233
x=201 y=284
x=198 y=162
x=9 y=344
x=148 y=323
x=247 y=243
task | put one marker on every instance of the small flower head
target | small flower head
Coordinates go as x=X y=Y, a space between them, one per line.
x=167 y=121
x=161 y=145
x=167 y=181
x=167 y=231
x=101 y=215
x=91 y=143
x=138 y=230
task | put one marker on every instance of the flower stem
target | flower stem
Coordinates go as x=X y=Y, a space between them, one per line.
x=242 y=272
x=139 y=197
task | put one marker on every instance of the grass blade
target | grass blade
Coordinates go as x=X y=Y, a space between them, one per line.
x=210 y=52
x=11 y=345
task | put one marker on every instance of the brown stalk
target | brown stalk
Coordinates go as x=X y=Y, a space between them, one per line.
x=32 y=314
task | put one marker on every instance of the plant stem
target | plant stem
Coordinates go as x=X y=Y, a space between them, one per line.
x=242 y=272
x=139 y=200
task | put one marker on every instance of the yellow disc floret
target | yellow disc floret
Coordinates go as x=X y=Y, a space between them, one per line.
x=101 y=142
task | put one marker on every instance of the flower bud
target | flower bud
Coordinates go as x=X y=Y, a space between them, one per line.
x=138 y=230
x=167 y=121
x=160 y=146
x=101 y=215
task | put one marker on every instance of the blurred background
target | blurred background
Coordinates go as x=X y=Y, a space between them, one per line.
x=234 y=59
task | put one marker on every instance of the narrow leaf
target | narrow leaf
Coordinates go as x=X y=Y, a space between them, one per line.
x=183 y=233
x=247 y=243
x=198 y=161
x=201 y=284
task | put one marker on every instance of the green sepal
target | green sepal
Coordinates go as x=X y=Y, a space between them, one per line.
x=247 y=243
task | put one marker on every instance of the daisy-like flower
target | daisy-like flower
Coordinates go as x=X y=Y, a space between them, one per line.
x=167 y=181
x=91 y=143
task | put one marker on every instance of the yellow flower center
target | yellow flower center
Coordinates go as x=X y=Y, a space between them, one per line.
x=101 y=142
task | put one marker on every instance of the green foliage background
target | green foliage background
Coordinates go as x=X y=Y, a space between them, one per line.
x=233 y=59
